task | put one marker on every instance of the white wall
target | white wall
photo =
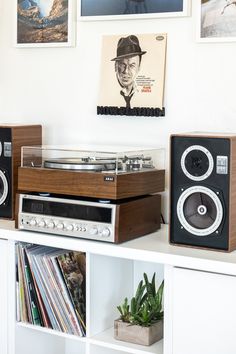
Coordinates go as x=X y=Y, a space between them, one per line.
x=58 y=87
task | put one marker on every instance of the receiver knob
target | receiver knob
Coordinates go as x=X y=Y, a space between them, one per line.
x=51 y=225
x=106 y=232
x=60 y=226
x=69 y=227
x=42 y=223
x=93 y=231
x=32 y=222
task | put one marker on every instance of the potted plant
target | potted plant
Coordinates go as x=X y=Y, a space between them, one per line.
x=141 y=321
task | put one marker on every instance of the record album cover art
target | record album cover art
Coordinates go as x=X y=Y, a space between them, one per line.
x=132 y=75
x=72 y=265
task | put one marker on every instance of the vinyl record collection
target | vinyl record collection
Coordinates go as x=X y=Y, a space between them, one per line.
x=51 y=288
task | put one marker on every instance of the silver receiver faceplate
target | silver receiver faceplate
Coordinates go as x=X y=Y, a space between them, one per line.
x=36 y=220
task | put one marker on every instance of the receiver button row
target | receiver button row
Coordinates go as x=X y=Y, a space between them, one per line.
x=81 y=228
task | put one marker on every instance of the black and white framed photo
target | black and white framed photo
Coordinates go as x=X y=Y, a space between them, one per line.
x=132 y=75
x=44 y=23
x=217 y=21
x=130 y=9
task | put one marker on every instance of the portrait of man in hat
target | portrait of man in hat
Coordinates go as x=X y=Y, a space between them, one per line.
x=132 y=73
x=127 y=65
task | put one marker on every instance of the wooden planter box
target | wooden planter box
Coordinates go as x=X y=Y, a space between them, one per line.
x=138 y=334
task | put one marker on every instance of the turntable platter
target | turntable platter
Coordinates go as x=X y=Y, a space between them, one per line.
x=80 y=165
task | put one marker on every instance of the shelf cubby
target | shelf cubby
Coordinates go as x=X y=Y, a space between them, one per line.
x=108 y=281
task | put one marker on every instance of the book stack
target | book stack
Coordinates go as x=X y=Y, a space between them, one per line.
x=51 y=288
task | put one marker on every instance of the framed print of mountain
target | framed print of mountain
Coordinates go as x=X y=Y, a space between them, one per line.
x=44 y=23
x=125 y=9
x=217 y=21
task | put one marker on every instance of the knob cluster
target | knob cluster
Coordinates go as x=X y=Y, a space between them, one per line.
x=62 y=227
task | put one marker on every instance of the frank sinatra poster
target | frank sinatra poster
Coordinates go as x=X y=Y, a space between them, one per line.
x=132 y=74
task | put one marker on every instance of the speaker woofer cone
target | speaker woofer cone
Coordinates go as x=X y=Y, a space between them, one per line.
x=199 y=211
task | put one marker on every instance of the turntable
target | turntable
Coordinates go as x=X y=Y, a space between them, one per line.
x=92 y=171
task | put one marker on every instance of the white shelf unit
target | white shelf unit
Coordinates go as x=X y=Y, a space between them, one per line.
x=113 y=272
x=109 y=280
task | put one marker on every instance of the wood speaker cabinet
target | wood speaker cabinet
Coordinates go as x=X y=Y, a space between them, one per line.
x=203 y=190
x=12 y=138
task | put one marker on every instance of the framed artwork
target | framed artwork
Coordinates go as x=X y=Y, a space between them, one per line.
x=132 y=75
x=217 y=21
x=128 y=9
x=44 y=23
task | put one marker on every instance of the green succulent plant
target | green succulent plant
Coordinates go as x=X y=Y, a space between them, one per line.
x=146 y=306
x=124 y=311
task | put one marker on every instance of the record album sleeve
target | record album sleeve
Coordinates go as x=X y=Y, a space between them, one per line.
x=132 y=72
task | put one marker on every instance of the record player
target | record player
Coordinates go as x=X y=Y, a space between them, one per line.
x=96 y=172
